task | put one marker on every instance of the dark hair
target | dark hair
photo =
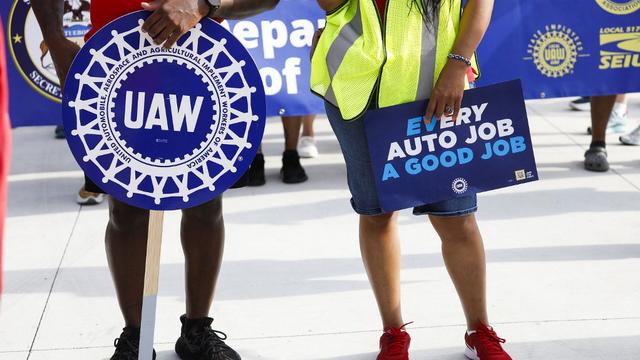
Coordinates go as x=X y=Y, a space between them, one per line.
x=428 y=8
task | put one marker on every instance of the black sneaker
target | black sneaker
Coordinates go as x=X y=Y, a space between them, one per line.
x=256 y=171
x=127 y=345
x=58 y=133
x=198 y=341
x=581 y=104
x=292 y=171
x=254 y=175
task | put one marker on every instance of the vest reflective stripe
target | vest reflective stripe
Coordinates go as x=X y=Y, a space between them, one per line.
x=347 y=36
x=350 y=60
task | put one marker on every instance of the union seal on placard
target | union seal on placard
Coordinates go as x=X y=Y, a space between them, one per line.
x=164 y=128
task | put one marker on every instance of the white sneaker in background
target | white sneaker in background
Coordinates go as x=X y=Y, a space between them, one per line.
x=307 y=147
x=581 y=104
x=89 y=198
x=632 y=138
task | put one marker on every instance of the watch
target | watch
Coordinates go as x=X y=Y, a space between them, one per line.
x=214 y=5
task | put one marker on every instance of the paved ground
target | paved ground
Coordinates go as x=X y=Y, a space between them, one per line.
x=564 y=261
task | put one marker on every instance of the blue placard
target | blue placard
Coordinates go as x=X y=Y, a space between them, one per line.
x=487 y=147
x=163 y=129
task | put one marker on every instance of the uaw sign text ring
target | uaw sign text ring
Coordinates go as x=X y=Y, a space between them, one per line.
x=163 y=129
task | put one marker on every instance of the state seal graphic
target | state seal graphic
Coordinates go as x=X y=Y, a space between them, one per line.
x=619 y=7
x=163 y=128
x=555 y=50
x=29 y=51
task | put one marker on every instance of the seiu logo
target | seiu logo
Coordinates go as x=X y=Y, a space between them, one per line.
x=620 y=48
x=165 y=112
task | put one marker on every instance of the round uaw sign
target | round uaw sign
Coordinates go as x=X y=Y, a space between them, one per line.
x=163 y=128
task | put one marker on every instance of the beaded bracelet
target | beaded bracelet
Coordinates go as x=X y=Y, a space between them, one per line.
x=461 y=58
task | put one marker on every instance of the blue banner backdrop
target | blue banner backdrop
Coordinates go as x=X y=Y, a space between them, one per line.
x=564 y=47
x=557 y=47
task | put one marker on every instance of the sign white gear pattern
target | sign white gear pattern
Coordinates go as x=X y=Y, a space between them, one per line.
x=163 y=173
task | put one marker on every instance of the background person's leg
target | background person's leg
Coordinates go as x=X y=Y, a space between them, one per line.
x=380 y=248
x=601 y=107
x=126 y=245
x=292 y=126
x=307 y=144
x=292 y=171
x=307 y=125
x=596 y=156
x=463 y=252
x=202 y=234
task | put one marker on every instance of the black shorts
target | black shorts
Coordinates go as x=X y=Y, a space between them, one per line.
x=90 y=186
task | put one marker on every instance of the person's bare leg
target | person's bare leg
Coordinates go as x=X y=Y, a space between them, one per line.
x=463 y=253
x=291 y=126
x=601 y=107
x=202 y=233
x=307 y=125
x=380 y=248
x=126 y=245
x=621 y=98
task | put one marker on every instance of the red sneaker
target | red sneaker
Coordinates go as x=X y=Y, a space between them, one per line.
x=484 y=344
x=394 y=344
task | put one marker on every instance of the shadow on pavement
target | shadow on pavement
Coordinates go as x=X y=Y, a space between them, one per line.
x=619 y=348
x=261 y=278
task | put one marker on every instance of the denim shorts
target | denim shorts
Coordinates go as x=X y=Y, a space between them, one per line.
x=355 y=149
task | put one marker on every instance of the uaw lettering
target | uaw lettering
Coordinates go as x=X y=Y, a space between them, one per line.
x=619 y=7
x=164 y=128
x=620 y=47
x=29 y=51
x=555 y=50
x=487 y=146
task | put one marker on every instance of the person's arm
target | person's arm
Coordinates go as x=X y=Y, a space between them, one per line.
x=449 y=87
x=170 y=20
x=239 y=9
x=173 y=18
x=49 y=14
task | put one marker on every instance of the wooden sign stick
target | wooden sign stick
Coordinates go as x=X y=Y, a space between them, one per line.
x=150 y=295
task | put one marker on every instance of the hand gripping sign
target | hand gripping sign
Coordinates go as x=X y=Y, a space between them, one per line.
x=163 y=129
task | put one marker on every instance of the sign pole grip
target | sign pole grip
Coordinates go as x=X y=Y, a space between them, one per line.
x=150 y=294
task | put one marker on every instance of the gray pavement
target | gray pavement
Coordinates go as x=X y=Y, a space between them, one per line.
x=563 y=260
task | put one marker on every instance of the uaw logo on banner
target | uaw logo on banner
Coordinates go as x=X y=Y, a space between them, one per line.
x=620 y=7
x=488 y=146
x=163 y=128
x=29 y=51
x=555 y=50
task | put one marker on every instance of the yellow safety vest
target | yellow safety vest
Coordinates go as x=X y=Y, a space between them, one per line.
x=355 y=57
